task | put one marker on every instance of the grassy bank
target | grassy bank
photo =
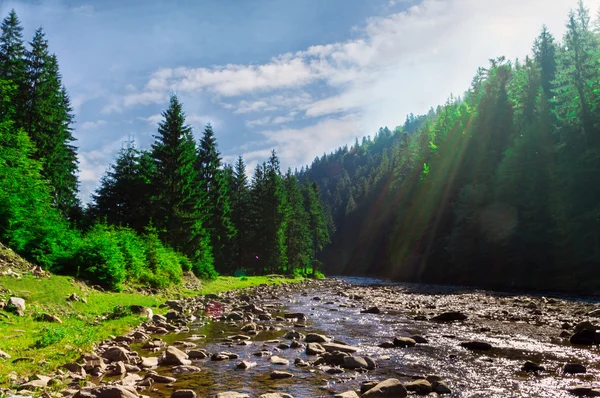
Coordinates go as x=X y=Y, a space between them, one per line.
x=48 y=345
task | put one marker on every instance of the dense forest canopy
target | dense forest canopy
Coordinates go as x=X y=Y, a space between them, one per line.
x=158 y=212
x=495 y=187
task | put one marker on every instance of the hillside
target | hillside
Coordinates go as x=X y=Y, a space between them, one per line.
x=495 y=188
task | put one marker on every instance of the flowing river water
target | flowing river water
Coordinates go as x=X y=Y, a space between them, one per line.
x=519 y=328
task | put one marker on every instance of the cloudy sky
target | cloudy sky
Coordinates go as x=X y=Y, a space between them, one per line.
x=300 y=76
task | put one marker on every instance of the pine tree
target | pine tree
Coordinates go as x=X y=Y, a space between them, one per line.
x=257 y=233
x=241 y=215
x=212 y=181
x=178 y=201
x=123 y=195
x=544 y=50
x=317 y=223
x=12 y=62
x=273 y=217
x=297 y=234
x=48 y=120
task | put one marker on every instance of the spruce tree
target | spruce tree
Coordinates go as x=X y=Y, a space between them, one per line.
x=274 y=217
x=213 y=182
x=48 y=118
x=317 y=223
x=12 y=62
x=178 y=202
x=297 y=234
x=241 y=215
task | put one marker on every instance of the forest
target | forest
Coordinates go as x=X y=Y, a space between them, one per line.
x=158 y=212
x=496 y=188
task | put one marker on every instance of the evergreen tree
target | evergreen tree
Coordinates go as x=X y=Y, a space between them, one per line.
x=12 y=62
x=297 y=234
x=213 y=182
x=178 y=201
x=544 y=50
x=241 y=215
x=48 y=120
x=274 y=217
x=319 y=233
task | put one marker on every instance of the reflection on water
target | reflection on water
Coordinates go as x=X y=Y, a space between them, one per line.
x=519 y=328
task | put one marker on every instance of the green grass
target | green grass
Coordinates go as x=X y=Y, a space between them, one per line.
x=50 y=345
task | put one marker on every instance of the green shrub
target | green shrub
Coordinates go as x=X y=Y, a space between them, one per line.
x=134 y=251
x=164 y=264
x=99 y=258
x=49 y=336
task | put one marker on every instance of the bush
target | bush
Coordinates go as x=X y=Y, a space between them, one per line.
x=165 y=265
x=204 y=271
x=100 y=259
x=49 y=336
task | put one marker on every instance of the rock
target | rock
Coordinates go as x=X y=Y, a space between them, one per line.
x=476 y=345
x=183 y=394
x=235 y=316
x=354 y=363
x=330 y=347
x=232 y=394
x=115 y=353
x=585 y=337
x=574 y=368
x=314 y=349
x=51 y=318
x=594 y=313
x=185 y=369
x=359 y=362
x=240 y=337
x=39 y=382
x=315 y=338
x=404 y=342
x=438 y=385
x=107 y=391
x=150 y=362
x=118 y=369
x=197 y=354
x=16 y=305
x=300 y=363
x=4 y=355
x=532 y=367
x=371 y=310
x=161 y=379
x=219 y=356
x=296 y=315
x=420 y=339
x=73 y=297
x=421 y=387
x=347 y=394
x=293 y=335
x=391 y=388
x=450 y=316
x=245 y=365
x=249 y=327
x=584 y=391
x=275 y=395
x=275 y=360
x=280 y=375
x=367 y=385
x=174 y=356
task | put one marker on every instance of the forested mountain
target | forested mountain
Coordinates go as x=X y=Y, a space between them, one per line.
x=497 y=188
x=159 y=212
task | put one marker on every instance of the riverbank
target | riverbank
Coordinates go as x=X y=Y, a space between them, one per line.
x=63 y=318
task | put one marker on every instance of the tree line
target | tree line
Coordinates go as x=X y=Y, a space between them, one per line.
x=172 y=208
x=494 y=188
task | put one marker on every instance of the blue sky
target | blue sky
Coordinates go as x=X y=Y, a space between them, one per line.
x=302 y=76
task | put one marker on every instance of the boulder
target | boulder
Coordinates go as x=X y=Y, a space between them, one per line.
x=174 y=356
x=16 y=305
x=390 y=388
x=421 y=387
x=183 y=394
x=275 y=360
x=232 y=394
x=404 y=342
x=116 y=353
x=347 y=394
x=330 y=347
x=450 y=316
x=245 y=365
x=275 y=395
x=371 y=310
x=280 y=375
x=315 y=338
x=476 y=345
x=574 y=368
x=315 y=349
x=530 y=366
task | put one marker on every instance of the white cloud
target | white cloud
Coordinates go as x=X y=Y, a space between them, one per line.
x=91 y=125
x=404 y=62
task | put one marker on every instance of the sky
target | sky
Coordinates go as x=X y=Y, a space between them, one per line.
x=303 y=77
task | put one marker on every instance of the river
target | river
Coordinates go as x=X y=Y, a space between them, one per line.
x=519 y=328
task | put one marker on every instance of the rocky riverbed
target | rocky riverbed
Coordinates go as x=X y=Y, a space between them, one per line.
x=348 y=338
